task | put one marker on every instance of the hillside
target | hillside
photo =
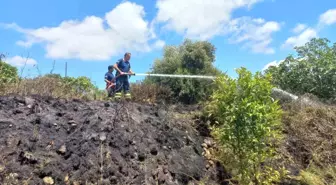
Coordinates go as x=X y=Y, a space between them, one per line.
x=78 y=142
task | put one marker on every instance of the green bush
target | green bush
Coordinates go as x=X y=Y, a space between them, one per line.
x=192 y=58
x=79 y=85
x=247 y=126
x=313 y=72
x=8 y=73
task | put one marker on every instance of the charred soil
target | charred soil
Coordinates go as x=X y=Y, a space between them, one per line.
x=55 y=141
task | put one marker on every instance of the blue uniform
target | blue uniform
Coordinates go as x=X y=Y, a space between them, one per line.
x=122 y=81
x=109 y=76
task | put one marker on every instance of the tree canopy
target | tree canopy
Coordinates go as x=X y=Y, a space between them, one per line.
x=313 y=71
x=192 y=58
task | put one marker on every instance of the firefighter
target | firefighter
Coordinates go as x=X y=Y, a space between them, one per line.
x=110 y=81
x=123 y=68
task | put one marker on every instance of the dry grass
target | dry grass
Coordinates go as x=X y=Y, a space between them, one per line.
x=151 y=93
x=54 y=87
x=311 y=141
x=49 y=86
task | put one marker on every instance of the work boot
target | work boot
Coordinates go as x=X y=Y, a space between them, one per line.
x=118 y=95
x=128 y=96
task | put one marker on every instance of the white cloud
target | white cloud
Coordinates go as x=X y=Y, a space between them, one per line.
x=95 y=38
x=198 y=18
x=255 y=33
x=159 y=44
x=299 y=28
x=301 y=39
x=329 y=17
x=305 y=34
x=273 y=63
x=19 y=61
x=206 y=19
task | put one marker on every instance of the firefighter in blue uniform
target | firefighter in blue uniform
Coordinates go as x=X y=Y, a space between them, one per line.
x=110 y=81
x=123 y=68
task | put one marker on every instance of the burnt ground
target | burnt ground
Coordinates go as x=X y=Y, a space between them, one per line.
x=46 y=140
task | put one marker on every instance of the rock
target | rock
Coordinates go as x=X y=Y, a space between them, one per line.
x=66 y=178
x=2 y=168
x=62 y=149
x=161 y=177
x=102 y=137
x=28 y=157
x=188 y=162
x=106 y=104
x=4 y=123
x=48 y=180
x=204 y=145
x=207 y=154
x=94 y=136
x=154 y=151
x=114 y=179
x=12 y=141
x=17 y=111
x=71 y=122
x=45 y=172
x=75 y=163
x=141 y=156
x=13 y=175
x=212 y=163
x=154 y=173
x=29 y=102
x=165 y=169
x=105 y=182
x=209 y=142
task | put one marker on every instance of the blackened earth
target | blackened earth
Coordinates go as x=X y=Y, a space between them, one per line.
x=80 y=142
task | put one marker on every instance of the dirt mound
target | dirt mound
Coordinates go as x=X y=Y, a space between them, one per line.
x=76 y=142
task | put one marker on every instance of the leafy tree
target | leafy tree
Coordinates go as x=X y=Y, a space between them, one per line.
x=79 y=85
x=192 y=58
x=8 y=73
x=314 y=71
x=247 y=124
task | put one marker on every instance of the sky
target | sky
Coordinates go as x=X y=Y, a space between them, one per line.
x=40 y=36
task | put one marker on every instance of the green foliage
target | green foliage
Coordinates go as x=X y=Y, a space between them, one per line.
x=192 y=58
x=314 y=71
x=80 y=84
x=247 y=126
x=8 y=73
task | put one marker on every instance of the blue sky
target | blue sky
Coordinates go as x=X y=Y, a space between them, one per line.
x=90 y=35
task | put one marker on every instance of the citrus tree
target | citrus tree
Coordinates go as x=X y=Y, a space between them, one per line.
x=247 y=125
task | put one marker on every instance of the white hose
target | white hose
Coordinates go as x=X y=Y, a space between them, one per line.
x=176 y=76
x=277 y=93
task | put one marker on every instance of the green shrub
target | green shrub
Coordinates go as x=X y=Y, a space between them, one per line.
x=192 y=58
x=8 y=73
x=313 y=72
x=247 y=126
x=79 y=85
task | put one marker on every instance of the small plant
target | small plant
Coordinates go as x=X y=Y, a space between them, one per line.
x=247 y=126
